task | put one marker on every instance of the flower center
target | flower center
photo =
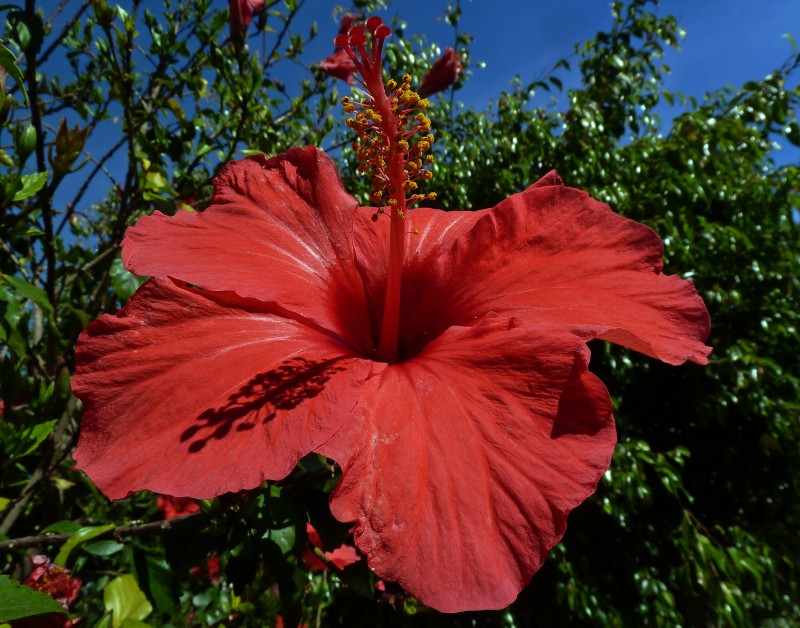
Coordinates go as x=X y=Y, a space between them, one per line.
x=393 y=147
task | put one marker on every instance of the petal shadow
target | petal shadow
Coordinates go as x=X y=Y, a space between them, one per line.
x=259 y=399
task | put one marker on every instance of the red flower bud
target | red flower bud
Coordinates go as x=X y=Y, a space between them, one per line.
x=442 y=74
x=242 y=12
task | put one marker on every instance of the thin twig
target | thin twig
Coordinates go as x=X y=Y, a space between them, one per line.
x=120 y=532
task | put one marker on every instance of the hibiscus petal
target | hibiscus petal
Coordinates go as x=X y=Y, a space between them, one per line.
x=277 y=229
x=461 y=464
x=553 y=254
x=197 y=394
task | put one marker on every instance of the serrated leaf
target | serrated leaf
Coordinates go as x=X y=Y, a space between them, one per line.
x=79 y=538
x=123 y=598
x=31 y=184
x=18 y=601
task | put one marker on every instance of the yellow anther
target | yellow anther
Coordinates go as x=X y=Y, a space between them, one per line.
x=429 y=159
x=410 y=185
x=402 y=145
x=391 y=84
x=424 y=103
x=407 y=79
x=423 y=146
x=432 y=196
x=416 y=231
x=427 y=175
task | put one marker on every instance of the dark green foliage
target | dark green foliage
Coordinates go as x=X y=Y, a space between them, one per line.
x=695 y=523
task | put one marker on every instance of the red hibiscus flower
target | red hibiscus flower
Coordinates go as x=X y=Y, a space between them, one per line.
x=339 y=65
x=340 y=558
x=242 y=12
x=442 y=74
x=171 y=507
x=210 y=571
x=439 y=357
x=57 y=582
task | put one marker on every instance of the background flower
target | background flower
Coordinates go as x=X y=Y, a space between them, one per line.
x=443 y=73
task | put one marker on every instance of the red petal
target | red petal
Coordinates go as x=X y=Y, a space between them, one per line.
x=197 y=394
x=461 y=464
x=343 y=556
x=277 y=230
x=339 y=65
x=553 y=254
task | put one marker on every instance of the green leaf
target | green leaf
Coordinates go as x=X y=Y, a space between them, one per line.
x=9 y=63
x=18 y=601
x=123 y=598
x=284 y=538
x=31 y=184
x=33 y=436
x=104 y=548
x=62 y=527
x=79 y=538
x=29 y=291
x=123 y=282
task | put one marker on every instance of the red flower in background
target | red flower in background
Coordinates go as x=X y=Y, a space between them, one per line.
x=341 y=557
x=171 y=507
x=242 y=12
x=339 y=64
x=56 y=582
x=349 y=20
x=210 y=571
x=465 y=435
x=443 y=73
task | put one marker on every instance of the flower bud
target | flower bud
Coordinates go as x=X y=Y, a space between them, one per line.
x=25 y=142
x=68 y=146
